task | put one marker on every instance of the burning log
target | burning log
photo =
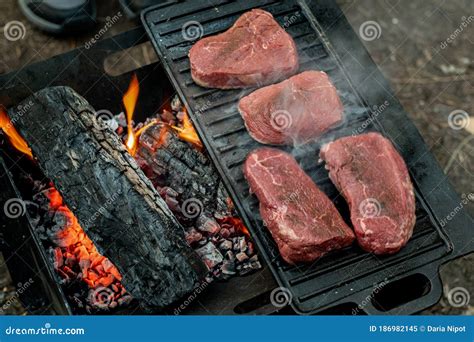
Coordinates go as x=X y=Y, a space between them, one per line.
x=184 y=174
x=173 y=163
x=112 y=199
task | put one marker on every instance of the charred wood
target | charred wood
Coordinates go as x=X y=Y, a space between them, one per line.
x=113 y=200
x=173 y=163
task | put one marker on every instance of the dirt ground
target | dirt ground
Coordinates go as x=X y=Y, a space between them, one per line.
x=425 y=49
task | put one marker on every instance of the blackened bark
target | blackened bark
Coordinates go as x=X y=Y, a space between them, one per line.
x=177 y=164
x=112 y=199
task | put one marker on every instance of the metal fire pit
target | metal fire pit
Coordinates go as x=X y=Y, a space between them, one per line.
x=83 y=70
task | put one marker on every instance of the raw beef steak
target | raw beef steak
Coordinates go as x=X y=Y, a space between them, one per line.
x=294 y=111
x=303 y=221
x=255 y=51
x=374 y=180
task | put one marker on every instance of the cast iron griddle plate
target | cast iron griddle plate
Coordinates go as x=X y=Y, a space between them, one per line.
x=346 y=276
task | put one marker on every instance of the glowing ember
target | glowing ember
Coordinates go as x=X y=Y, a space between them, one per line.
x=76 y=250
x=76 y=256
x=234 y=222
x=129 y=101
x=15 y=138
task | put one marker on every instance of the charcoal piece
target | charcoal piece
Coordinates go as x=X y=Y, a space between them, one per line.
x=114 y=202
x=225 y=233
x=228 y=268
x=167 y=116
x=210 y=255
x=245 y=269
x=223 y=202
x=243 y=245
x=176 y=104
x=256 y=265
x=241 y=256
x=254 y=258
x=207 y=224
x=225 y=245
x=230 y=256
x=121 y=119
x=238 y=243
x=193 y=236
x=250 y=248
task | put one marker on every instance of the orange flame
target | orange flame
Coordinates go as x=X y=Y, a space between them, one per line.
x=187 y=132
x=15 y=138
x=130 y=98
x=129 y=102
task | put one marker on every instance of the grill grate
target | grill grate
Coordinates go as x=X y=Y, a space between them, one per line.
x=343 y=276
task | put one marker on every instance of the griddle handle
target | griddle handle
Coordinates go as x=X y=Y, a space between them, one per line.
x=430 y=298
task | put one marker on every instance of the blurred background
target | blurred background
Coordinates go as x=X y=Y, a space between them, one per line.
x=424 y=48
